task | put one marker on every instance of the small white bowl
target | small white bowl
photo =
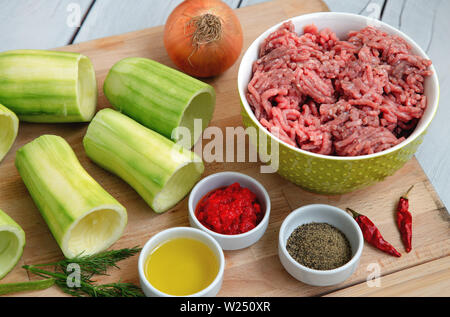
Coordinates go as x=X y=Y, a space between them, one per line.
x=215 y=181
x=321 y=214
x=181 y=232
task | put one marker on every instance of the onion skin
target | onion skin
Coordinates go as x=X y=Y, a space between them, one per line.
x=208 y=59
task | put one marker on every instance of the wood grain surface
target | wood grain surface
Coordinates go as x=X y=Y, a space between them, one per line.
x=255 y=271
x=40 y=24
x=112 y=17
x=430 y=280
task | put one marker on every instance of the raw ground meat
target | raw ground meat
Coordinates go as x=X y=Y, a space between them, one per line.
x=344 y=98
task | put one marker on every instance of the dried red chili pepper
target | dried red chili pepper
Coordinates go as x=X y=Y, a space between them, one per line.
x=372 y=235
x=404 y=220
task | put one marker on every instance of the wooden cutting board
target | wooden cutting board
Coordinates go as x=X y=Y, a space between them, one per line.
x=255 y=271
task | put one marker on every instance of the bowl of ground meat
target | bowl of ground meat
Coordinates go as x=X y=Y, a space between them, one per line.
x=339 y=101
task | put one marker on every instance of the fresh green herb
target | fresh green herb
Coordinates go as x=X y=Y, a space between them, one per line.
x=89 y=266
x=87 y=286
x=13 y=288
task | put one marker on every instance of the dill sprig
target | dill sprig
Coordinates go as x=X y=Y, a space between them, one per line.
x=89 y=266
x=104 y=290
x=98 y=264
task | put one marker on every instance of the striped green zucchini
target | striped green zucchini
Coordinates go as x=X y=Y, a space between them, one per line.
x=12 y=242
x=161 y=171
x=81 y=215
x=12 y=288
x=160 y=98
x=9 y=125
x=48 y=86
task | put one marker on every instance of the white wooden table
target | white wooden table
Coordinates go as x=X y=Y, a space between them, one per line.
x=45 y=24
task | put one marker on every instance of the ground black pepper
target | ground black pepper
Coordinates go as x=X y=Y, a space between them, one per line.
x=319 y=246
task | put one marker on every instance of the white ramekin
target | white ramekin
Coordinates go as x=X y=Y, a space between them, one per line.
x=334 y=216
x=215 y=181
x=181 y=232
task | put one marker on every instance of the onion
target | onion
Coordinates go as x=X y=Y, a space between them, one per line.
x=203 y=37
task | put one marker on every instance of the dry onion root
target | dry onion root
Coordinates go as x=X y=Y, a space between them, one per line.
x=203 y=37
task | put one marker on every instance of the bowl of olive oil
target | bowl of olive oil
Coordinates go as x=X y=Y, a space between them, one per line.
x=183 y=262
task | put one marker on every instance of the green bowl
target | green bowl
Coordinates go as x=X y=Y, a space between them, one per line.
x=333 y=175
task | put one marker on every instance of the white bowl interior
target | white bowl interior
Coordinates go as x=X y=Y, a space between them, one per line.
x=181 y=232
x=323 y=214
x=341 y=24
x=224 y=179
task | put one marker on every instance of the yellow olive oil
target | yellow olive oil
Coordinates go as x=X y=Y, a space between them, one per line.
x=181 y=267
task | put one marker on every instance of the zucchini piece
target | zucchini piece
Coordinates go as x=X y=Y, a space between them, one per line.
x=82 y=216
x=161 y=171
x=12 y=288
x=48 y=86
x=12 y=242
x=9 y=125
x=159 y=97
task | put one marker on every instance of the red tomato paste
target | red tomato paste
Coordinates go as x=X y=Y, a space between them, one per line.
x=229 y=210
